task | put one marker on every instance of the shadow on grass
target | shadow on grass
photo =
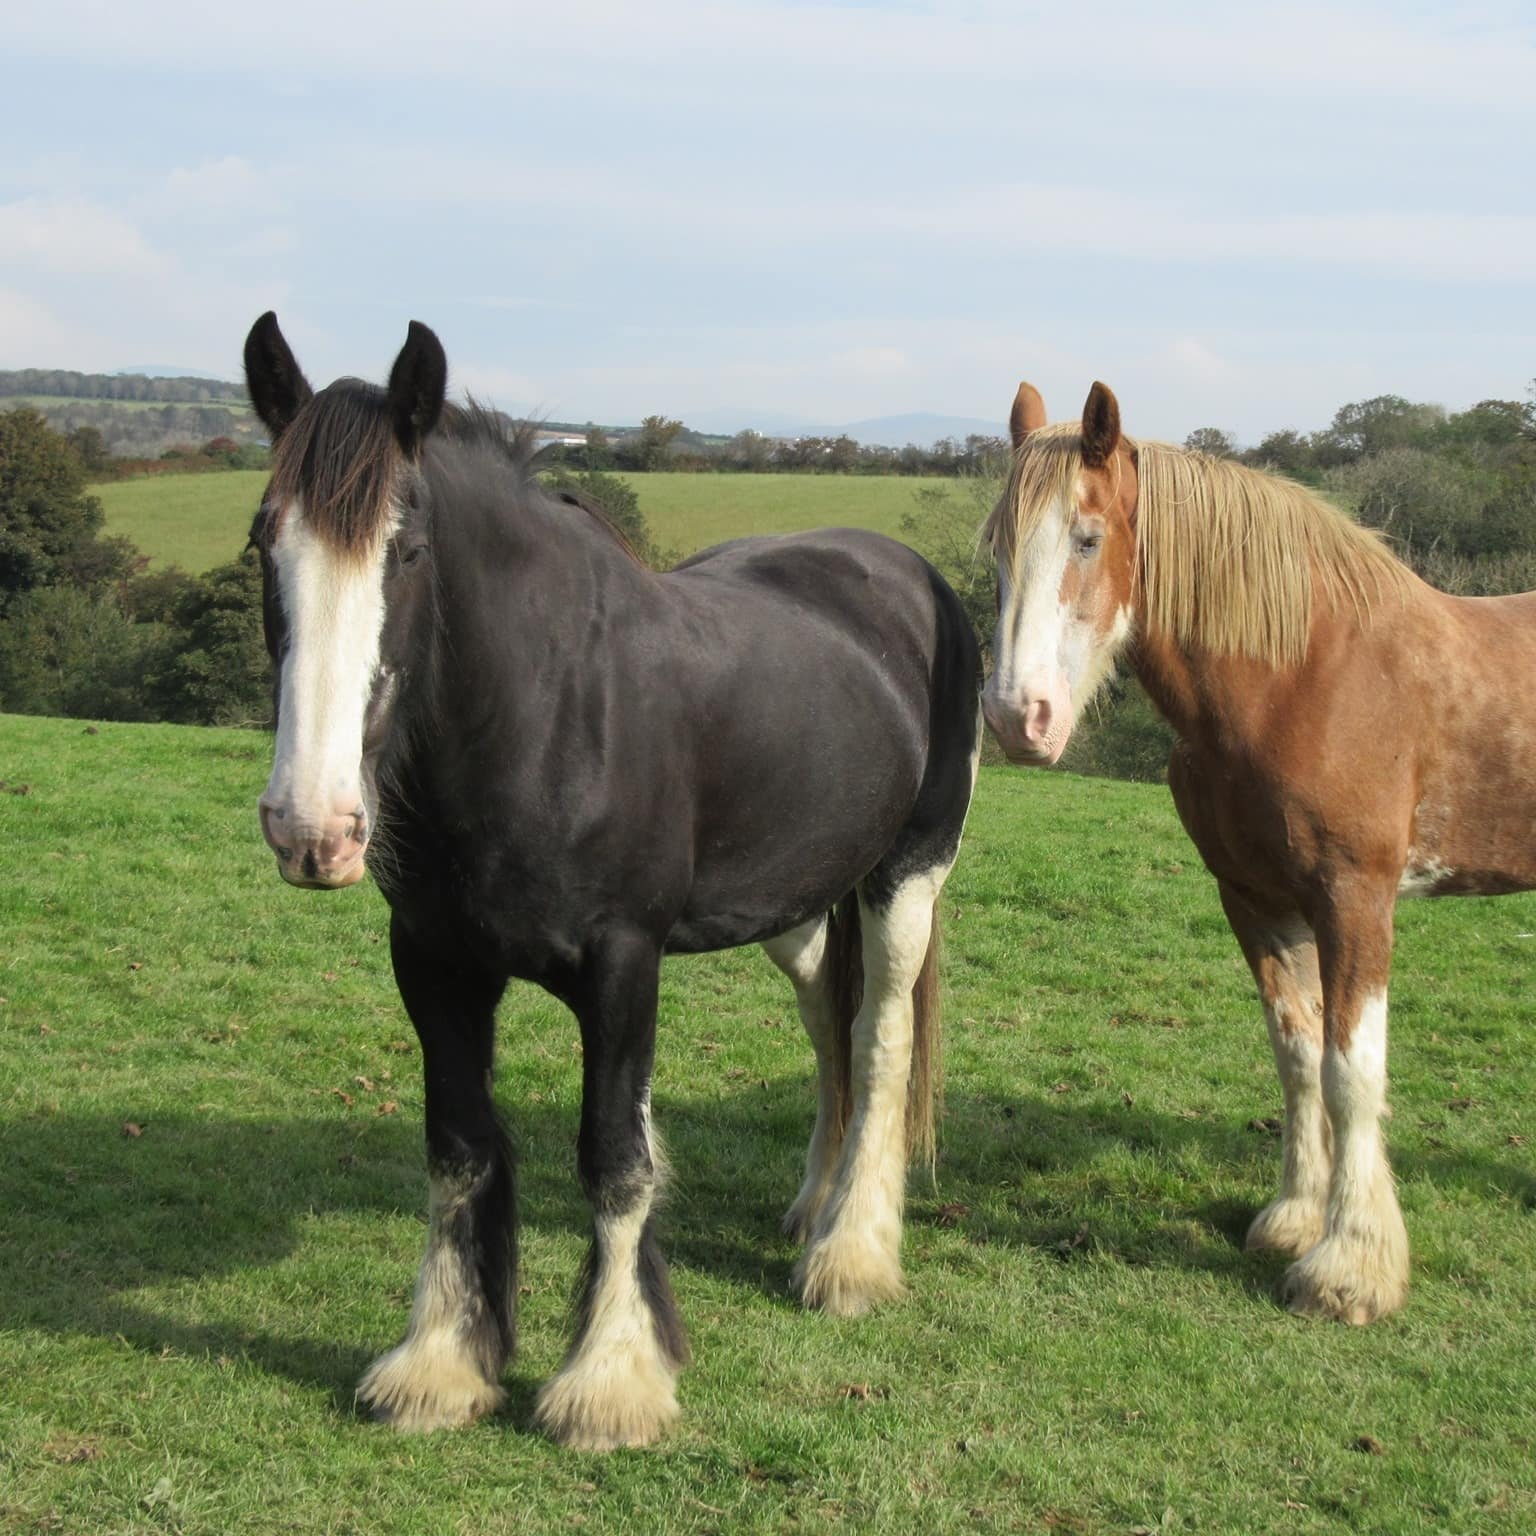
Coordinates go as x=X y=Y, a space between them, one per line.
x=89 y=1215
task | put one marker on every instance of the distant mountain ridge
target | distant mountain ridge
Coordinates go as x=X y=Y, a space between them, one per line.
x=922 y=428
x=164 y=383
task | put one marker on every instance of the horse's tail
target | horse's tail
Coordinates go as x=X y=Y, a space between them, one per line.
x=845 y=961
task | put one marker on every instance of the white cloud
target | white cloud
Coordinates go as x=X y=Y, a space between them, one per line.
x=227 y=187
x=32 y=336
x=71 y=235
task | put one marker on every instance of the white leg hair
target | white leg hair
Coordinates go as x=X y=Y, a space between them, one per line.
x=854 y=1257
x=1294 y=1222
x=443 y=1374
x=617 y=1385
x=1359 y=1270
x=801 y=954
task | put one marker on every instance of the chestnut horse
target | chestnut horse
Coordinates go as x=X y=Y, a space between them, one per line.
x=1347 y=735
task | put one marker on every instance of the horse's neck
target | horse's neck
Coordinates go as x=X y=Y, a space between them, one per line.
x=517 y=589
x=1208 y=698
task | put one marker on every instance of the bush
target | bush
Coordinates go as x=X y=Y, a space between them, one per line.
x=1423 y=501
x=214 y=668
x=944 y=527
x=50 y=530
x=65 y=651
x=1121 y=736
x=617 y=501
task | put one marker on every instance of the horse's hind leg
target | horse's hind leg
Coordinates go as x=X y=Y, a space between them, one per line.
x=854 y=1257
x=1282 y=953
x=447 y=1370
x=616 y=1385
x=1358 y=1271
x=802 y=954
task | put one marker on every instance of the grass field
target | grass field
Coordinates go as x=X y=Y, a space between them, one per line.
x=199 y=521
x=212 y=1191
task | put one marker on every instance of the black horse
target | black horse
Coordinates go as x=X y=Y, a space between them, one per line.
x=558 y=765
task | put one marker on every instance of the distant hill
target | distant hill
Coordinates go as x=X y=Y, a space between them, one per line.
x=167 y=371
x=133 y=387
x=921 y=428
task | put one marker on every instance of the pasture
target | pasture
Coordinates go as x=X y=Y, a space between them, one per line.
x=199 y=521
x=212 y=1191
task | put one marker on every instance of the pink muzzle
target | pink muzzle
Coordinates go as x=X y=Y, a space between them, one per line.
x=1031 y=725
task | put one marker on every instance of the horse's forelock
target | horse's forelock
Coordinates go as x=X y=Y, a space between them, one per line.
x=1044 y=469
x=340 y=461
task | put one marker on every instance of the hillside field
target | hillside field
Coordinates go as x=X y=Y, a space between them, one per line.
x=212 y=1196
x=199 y=521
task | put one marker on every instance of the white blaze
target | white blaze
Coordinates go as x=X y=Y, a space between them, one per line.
x=334 y=607
x=1032 y=620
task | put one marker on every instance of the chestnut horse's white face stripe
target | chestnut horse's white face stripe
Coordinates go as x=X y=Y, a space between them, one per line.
x=333 y=604
x=1032 y=618
x=1052 y=647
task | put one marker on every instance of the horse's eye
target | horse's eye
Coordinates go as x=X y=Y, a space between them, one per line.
x=411 y=554
x=1089 y=543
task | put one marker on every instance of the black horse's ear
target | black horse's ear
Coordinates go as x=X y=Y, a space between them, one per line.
x=1101 y=426
x=417 y=384
x=1027 y=415
x=276 y=383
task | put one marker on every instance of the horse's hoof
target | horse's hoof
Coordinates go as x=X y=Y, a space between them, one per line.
x=1348 y=1282
x=608 y=1403
x=846 y=1277
x=1287 y=1226
x=420 y=1387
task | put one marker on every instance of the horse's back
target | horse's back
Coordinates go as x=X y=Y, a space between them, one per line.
x=839 y=686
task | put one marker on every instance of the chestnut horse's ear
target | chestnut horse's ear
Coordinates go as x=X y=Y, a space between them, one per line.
x=1101 y=426
x=276 y=383
x=417 y=384
x=1027 y=415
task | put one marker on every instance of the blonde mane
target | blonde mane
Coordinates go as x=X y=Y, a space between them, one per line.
x=1228 y=558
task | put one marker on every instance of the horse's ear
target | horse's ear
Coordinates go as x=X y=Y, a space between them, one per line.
x=1027 y=415
x=1101 y=426
x=417 y=384
x=276 y=383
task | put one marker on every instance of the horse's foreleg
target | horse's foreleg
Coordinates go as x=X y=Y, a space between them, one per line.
x=616 y=1386
x=1358 y=1271
x=802 y=955
x=1282 y=953
x=447 y=1371
x=854 y=1257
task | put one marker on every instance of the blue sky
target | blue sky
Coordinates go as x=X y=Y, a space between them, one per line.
x=763 y=212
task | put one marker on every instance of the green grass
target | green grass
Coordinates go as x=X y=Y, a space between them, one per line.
x=199 y=521
x=690 y=512
x=1086 y=1347
x=194 y=521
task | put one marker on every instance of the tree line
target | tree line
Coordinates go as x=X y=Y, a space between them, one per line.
x=65 y=382
x=88 y=628
x=661 y=443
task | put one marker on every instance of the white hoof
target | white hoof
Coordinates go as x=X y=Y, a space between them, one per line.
x=801 y=1218
x=605 y=1401
x=1350 y=1279
x=848 y=1274
x=428 y=1383
x=1288 y=1226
